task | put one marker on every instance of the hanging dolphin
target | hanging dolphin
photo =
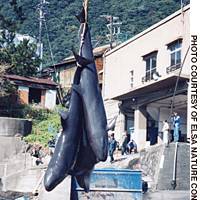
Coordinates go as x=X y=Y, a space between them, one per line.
x=84 y=180
x=85 y=162
x=93 y=107
x=65 y=153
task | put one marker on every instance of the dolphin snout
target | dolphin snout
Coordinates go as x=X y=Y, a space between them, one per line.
x=50 y=181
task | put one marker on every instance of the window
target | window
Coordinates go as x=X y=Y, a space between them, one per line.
x=131 y=78
x=151 y=60
x=34 y=95
x=129 y=123
x=175 y=52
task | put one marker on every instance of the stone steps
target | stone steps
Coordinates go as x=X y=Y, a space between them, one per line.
x=182 y=171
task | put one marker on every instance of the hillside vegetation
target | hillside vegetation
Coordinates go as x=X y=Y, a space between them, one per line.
x=62 y=27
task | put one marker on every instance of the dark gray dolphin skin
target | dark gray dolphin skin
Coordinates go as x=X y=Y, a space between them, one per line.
x=65 y=153
x=93 y=107
x=85 y=163
x=84 y=180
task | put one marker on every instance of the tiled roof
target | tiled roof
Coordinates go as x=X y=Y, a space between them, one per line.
x=31 y=79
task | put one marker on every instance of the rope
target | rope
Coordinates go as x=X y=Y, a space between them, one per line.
x=177 y=80
x=85 y=5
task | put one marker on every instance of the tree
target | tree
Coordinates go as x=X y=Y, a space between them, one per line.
x=5 y=87
x=23 y=58
x=17 y=59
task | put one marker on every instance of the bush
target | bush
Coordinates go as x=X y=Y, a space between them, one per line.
x=44 y=128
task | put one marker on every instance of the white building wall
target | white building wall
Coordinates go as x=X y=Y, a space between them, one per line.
x=112 y=110
x=128 y=56
x=50 y=99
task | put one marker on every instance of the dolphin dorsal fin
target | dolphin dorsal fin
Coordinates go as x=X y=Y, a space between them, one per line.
x=81 y=61
x=63 y=114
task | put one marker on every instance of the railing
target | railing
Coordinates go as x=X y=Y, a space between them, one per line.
x=146 y=78
x=173 y=68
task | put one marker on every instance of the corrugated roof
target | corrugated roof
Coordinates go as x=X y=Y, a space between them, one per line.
x=31 y=79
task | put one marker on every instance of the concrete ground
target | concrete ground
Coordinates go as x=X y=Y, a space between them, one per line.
x=167 y=195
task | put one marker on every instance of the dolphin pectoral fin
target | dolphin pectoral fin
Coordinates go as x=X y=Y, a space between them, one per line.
x=81 y=16
x=63 y=114
x=81 y=61
x=77 y=89
x=84 y=180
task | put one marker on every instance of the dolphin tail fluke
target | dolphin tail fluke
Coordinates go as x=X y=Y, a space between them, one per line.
x=81 y=61
x=81 y=16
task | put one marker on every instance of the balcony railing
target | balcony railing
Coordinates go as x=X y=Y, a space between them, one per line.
x=146 y=78
x=173 y=68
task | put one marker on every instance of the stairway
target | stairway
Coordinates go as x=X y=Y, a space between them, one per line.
x=182 y=169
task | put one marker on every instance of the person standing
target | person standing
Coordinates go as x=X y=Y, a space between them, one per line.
x=176 y=125
x=112 y=147
x=126 y=140
x=165 y=131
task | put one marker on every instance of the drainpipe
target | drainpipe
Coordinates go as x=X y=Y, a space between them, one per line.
x=173 y=183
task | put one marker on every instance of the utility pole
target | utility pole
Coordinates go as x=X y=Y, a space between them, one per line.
x=41 y=8
x=111 y=30
x=113 y=27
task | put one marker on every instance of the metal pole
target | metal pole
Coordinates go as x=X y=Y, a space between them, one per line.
x=173 y=183
x=40 y=32
x=111 y=31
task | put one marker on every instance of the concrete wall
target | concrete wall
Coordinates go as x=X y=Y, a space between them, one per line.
x=150 y=159
x=112 y=110
x=9 y=146
x=50 y=99
x=13 y=126
x=129 y=55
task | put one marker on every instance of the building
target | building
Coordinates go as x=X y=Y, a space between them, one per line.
x=65 y=70
x=35 y=90
x=141 y=74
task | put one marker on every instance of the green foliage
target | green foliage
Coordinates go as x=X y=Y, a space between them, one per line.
x=44 y=130
x=6 y=87
x=22 y=58
x=135 y=15
x=46 y=123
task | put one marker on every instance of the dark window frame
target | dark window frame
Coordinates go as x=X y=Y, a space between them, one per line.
x=151 y=65
x=175 y=49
